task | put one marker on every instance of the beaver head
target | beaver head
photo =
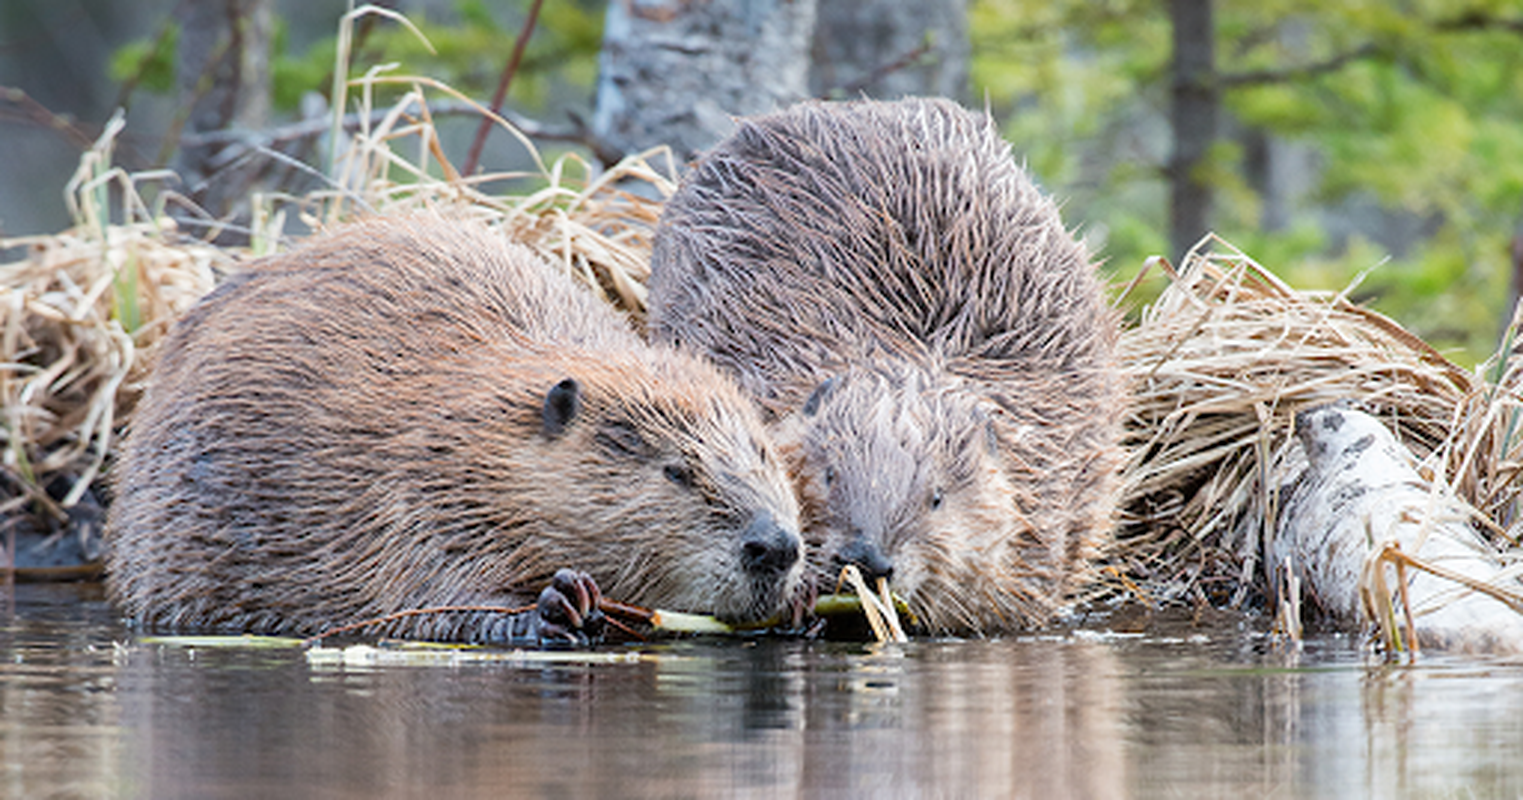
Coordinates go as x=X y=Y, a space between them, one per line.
x=660 y=481
x=900 y=473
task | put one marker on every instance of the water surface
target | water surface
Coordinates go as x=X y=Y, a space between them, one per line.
x=88 y=710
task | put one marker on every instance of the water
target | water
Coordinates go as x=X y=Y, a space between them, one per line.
x=88 y=711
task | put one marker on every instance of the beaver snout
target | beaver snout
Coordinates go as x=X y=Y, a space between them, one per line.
x=768 y=546
x=866 y=556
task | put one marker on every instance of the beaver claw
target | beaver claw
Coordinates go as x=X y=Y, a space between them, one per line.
x=568 y=610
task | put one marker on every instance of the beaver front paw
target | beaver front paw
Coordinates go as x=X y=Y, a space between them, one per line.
x=568 y=610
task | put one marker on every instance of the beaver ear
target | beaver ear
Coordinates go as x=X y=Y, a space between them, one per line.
x=812 y=405
x=561 y=404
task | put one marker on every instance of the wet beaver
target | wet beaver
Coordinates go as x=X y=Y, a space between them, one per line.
x=931 y=343
x=414 y=412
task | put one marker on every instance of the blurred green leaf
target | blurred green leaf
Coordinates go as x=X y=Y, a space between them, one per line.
x=148 y=62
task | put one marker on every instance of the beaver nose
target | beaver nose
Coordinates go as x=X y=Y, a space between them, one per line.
x=767 y=546
x=867 y=557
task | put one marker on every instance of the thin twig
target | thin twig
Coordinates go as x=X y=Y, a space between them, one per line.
x=1395 y=555
x=43 y=117
x=474 y=156
x=353 y=121
x=882 y=71
x=613 y=608
x=880 y=613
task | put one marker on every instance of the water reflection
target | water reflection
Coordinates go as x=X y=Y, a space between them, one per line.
x=1076 y=716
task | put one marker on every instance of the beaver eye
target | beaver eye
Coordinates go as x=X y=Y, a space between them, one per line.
x=830 y=475
x=623 y=439
x=679 y=474
x=936 y=498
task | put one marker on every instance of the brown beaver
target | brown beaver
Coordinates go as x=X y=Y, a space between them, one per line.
x=932 y=344
x=414 y=412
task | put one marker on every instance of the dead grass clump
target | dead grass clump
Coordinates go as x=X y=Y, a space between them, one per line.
x=1220 y=364
x=76 y=311
x=596 y=225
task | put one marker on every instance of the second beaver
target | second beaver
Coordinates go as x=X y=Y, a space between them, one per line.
x=932 y=344
x=413 y=412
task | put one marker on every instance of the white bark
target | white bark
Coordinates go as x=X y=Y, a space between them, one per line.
x=1360 y=491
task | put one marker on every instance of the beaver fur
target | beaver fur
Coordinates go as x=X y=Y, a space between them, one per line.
x=413 y=412
x=932 y=344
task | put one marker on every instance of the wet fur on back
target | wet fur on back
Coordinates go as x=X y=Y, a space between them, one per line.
x=895 y=257
x=362 y=426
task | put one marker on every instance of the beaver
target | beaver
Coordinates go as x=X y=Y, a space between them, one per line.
x=931 y=346
x=413 y=412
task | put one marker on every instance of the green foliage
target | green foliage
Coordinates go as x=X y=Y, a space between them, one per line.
x=149 y=62
x=472 y=44
x=1408 y=113
x=293 y=75
x=1077 y=87
x=569 y=39
x=1281 y=107
x=124 y=306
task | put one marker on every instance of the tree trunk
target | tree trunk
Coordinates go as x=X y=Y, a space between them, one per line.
x=222 y=78
x=675 y=72
x=1194 y=116
x=891 y=48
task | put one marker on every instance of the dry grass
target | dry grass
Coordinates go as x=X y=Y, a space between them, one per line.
x=78 y=309
x=1221 y=363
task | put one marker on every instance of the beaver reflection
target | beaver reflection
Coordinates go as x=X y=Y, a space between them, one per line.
x=772 y=717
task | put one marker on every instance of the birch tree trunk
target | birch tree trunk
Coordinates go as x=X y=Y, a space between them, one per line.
x=891 y=48
x=675 y=72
